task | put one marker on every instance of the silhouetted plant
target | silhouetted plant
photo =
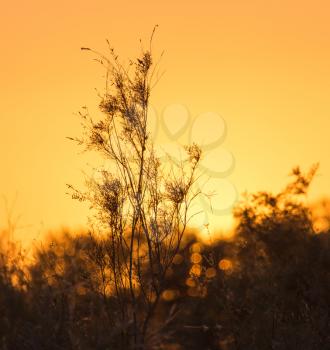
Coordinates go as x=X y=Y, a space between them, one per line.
x=141 y=203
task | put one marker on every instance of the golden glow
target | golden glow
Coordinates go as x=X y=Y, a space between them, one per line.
x=210 y=272
x=196 y=270
x=196 y=247
x=170 y=294
x=225 y=264
x=263 y=66
x=191 y=282
x=196 y=258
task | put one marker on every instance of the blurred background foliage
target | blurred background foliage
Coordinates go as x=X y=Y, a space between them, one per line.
x=267 y=287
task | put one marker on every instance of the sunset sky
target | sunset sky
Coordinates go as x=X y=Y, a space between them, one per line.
x=263 y=66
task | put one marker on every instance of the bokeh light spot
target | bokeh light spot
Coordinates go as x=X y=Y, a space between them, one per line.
x=211 y=272
x=195 y=258
x=225 y=264
x=196 y=270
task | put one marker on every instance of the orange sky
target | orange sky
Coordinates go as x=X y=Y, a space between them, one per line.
x=262 y=65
